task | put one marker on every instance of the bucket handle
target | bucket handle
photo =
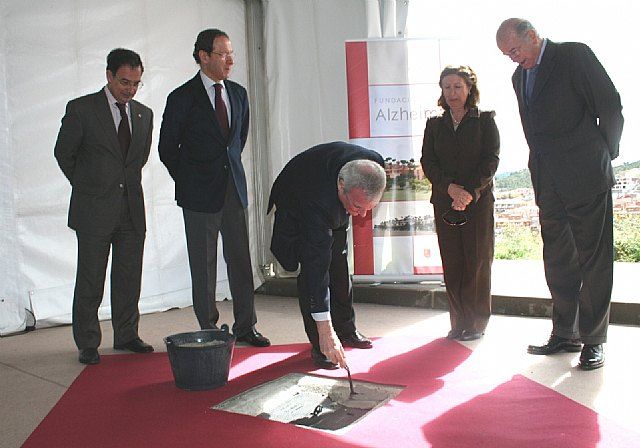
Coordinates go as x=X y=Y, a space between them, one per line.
x=224 y=328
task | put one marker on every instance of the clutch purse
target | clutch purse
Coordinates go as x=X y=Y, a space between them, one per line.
x=455 y=217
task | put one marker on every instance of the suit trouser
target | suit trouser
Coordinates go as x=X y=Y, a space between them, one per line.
x=467 y=255
x=578 y=260
x=126 y=276
x=340 y=293
x=202 y=231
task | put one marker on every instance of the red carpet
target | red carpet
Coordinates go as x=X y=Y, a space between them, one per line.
x=131 y=401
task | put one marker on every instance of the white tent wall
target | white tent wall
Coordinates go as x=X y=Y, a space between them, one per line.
x=51 y=52
x=12 y=306
x=306 y=72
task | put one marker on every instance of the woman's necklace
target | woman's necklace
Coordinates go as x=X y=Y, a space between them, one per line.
x=453 y=118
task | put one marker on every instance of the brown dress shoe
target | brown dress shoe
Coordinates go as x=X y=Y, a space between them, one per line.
x=468 y=335
x=355 y=340
x=555 y=344
x=454 y=334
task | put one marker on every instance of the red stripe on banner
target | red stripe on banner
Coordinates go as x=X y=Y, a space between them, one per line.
x=359 y=127
x=363 y=244
x=358 y=89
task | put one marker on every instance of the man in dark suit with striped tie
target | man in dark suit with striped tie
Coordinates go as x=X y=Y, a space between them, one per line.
x=204 y=130
x=103 y=143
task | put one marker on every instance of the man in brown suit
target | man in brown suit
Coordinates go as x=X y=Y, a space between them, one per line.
x=103 y=143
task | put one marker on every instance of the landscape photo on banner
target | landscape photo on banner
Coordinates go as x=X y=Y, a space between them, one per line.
x=393 y=88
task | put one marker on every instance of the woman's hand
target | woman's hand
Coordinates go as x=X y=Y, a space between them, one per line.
x=461 y=197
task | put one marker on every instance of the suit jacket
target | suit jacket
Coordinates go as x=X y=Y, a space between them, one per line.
x=467 y=156
x=89 y=154
x=305 y=194
x=573 y=122
x=194 y=151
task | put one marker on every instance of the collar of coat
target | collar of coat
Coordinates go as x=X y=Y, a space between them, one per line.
x=474 y=112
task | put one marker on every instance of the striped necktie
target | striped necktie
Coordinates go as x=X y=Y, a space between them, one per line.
x=221 y=111
x=124 y=133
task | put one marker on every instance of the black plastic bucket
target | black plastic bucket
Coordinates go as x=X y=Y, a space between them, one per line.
x=200 y=360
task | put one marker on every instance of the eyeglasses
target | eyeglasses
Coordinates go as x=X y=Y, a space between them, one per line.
x=128 y=83
x=514 y=52
x=224 y=56
x=454 y=217
x=358 y=208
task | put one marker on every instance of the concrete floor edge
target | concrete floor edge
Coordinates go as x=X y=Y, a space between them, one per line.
x=434 y=296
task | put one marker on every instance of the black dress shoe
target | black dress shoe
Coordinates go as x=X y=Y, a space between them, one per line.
x=254 y=338
x=89 y=356
x=321 y=361
x=136 y=346
x=592 y=357
x=454 y=334
x=355 y=340
x=556 y=344
x=470 y=335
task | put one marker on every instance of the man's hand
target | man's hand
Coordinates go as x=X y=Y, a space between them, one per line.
x=330 y=345
x=461 y=197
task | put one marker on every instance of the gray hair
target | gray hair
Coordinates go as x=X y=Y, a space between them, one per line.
x=522 y=27
x=364 y=174
x=518 y=26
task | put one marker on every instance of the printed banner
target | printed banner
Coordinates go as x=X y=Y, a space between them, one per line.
x=392 y=90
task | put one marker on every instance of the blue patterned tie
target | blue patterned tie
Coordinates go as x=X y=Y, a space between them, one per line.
x=531 y=80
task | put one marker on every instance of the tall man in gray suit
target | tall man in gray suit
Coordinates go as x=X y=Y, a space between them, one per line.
x=204 y=129
x=572 y=119
x=103 y=143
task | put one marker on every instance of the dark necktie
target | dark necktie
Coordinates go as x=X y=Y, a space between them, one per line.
x=530 y=81
x=221 y=111
x=124 y=133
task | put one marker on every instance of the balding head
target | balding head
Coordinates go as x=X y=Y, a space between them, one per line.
x=514 y=26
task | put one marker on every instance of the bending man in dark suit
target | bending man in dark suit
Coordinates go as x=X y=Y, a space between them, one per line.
x=204 y=130
x=102 y=146
x=572 y=120
x=314 y=195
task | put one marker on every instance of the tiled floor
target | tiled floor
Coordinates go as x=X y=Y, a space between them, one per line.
x=36 y=368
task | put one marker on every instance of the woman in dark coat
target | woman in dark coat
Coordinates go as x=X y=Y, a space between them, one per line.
x=460 y=157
